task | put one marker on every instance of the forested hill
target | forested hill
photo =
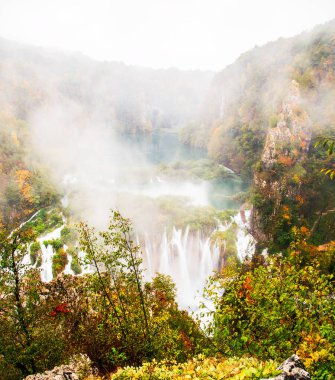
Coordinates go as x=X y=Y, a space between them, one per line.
x=246 y=97
x=135 y=98
x=125 y=98
x=262 y=119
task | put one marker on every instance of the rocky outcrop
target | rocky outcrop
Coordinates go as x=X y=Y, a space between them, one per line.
x=292 y=369
x=280 y=171
x=80 y=367
x=290 y=136
x=63 y=372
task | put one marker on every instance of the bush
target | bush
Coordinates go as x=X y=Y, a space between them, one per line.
x=138 y=321
x=69 y=235
x=45 y=221
x=274 y=310
x=75 y=263
x=200 y=368
x=55 y=243
x=59 y=261
x=35 y=251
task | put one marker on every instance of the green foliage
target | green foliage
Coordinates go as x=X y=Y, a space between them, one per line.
x=59 y=261
x=273 y=121
x=142 y=321
x=273 y=310
x=327 y=143
x=25 y=345
x=196 y=169
x=69 y=235
x=299 y=205
x=226 y=241
x=46 y=220
x=56 y=244
x=110 y=315
x=35 y=251
x=75 y=263
x=200 y=368
x=25 y=184
x=175 y=212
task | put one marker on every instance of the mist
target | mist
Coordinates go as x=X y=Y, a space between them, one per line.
x=98 y=170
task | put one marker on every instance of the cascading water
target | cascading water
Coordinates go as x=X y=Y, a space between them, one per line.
x=48 y=253
x=68 y=269
x=187 y=257
x=190 y=258
x=245 y=243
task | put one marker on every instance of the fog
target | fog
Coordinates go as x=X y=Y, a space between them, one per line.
x=188 y=34
x=98 y=170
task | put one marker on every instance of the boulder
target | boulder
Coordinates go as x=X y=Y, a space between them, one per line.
x=292 y=369
x=63 y=372
x=79 y=367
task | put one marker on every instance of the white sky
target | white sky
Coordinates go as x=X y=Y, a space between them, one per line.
x=189 y=34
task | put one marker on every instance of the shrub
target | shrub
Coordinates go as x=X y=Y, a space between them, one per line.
x=200 y=368
x=59 y=261
x=35 y=251
x=276 y=309
x=55 y=243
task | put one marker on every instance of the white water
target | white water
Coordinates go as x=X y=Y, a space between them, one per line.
x=245 y=243
x=48 y=253
x=67 y=269
x=189 y=258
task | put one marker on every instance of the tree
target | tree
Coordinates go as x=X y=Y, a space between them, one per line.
x=272 y=310
x=118 y=276
x=139 y=321
x=327 y=143
x=18 y=298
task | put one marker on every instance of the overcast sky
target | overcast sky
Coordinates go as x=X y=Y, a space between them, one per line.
x=189 y=34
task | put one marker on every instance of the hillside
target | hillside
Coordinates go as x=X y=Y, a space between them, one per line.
x=245 y=97
x=262 y=118
x=133 y=97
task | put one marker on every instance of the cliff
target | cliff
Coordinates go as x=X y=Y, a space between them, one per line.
x=276 y=181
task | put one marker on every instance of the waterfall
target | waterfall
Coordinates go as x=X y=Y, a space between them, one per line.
x=67 y=269
x=245 y=243
x=48 y=253
x=187 y=257
x=190 y=258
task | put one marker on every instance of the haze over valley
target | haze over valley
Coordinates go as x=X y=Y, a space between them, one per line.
x=160 y=215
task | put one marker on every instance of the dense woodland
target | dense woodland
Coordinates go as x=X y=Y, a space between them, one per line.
x=279 y=302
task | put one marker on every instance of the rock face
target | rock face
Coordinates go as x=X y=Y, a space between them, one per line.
x=293 y=369
x=290 y=136
x=280 y=172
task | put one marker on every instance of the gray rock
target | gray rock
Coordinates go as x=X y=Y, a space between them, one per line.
x=80 y=366
x=293 y=369
x=63 y=372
